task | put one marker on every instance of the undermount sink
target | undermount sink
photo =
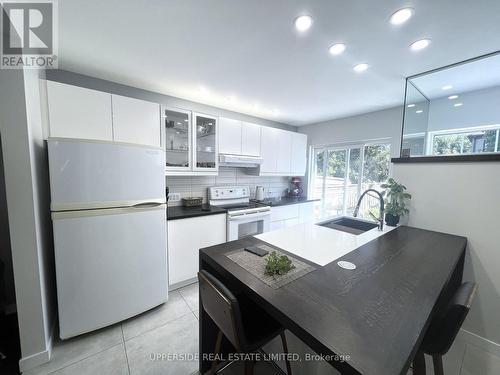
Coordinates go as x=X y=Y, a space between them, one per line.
x=349 y=225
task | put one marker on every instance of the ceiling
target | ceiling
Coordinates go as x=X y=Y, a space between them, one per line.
x=247 y=56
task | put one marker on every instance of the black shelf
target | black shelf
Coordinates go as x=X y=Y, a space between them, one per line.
x=447 y=158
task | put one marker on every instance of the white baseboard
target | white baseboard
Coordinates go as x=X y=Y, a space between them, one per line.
x=182 y=284
x=29 y=362
x=37 y=359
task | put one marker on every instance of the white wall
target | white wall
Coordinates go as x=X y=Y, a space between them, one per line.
x=370 y=126
x=462 y=199
x=480 y=107
x=385 y=124
x=5 y=252
x=26 y=178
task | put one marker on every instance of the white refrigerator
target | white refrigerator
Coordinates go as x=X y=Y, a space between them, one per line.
x=110 y=231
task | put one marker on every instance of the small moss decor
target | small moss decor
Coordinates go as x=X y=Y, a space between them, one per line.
x=278 y=265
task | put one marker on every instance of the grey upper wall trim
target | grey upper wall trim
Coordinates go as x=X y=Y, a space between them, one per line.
x=76 y=79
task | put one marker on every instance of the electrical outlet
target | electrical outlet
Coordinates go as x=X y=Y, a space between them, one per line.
x=174 y=197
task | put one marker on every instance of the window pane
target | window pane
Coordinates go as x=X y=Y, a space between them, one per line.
x=490 y=139
x=343 y=182
x=335 y=182
x=376 y=164
x=317 y=182
x=353 y=181
x=465 y=142
x=416 y=145
x=447 y=144
x=375 y=173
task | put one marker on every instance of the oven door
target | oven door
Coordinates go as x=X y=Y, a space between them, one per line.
x=244 y=225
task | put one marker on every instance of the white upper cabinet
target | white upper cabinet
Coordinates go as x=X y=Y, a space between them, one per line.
x=275 y=149
x=230 y=136
x=299 y=154
x=283 y=152
x=250 y=139
x=268 y=149
x=238 y=137
x=136 y=121
x=76 y=112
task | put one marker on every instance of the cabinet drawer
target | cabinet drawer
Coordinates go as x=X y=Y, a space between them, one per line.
x=285 y=212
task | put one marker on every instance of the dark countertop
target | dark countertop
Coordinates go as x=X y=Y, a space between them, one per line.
x=377 y=314
x=284 y=201
x=179 y=212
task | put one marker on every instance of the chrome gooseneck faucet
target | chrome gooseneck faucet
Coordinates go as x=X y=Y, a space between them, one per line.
x=381 y=199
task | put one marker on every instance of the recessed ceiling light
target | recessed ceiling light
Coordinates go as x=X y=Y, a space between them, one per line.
x=337 y=48
x=360 y=67
x=303 y=23
x=401 y=16
x=419 y=111
x=186 y=120
x=452 y=97
x=203 y=90
x=447 y=87
x=458 y=104
x=420 y=44
x=411 y=105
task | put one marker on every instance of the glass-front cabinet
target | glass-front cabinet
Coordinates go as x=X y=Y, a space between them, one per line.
x=177 y=139
x=190 y=142
x=205 y=142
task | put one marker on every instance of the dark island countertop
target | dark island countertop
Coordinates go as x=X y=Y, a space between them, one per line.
x=376 y=314
x=180 y=212
x=285 y=201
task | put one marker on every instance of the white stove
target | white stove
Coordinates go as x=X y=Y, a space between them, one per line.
x=244 y=218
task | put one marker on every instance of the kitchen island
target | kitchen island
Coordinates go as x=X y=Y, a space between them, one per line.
x=375 y=315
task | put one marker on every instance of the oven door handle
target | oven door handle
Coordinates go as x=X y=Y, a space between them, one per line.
x=250 y=215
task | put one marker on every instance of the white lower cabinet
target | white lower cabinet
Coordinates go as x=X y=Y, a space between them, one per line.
x=185 y=238
x=290 y=215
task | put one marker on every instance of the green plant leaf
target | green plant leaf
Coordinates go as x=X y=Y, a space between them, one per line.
x=277 y=265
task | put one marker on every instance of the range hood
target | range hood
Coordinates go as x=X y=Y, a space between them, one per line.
x=239 y=161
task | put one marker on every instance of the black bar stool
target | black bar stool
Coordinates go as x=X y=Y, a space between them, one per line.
x=243 y=323
x=444 y=329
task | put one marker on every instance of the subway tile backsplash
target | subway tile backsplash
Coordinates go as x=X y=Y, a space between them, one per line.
x=196 y=186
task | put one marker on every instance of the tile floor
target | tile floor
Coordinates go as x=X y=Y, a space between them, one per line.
x=126 y=348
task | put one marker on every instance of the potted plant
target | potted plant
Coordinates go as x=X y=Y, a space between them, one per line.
x=396 y=201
